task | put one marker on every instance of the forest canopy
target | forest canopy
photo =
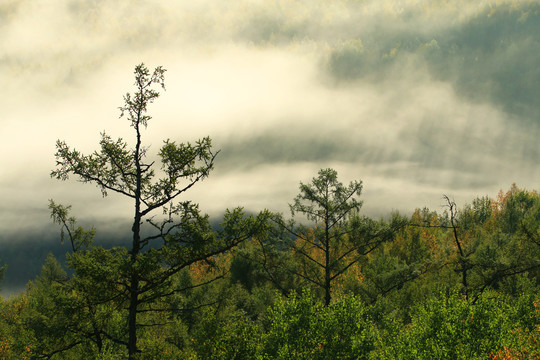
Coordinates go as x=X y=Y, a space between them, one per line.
x=458 y=284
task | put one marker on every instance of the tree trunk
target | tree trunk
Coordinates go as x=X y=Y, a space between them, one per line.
x=327 y=269
x=134 y=282
x=327 y=280
x=134 y=287
x=132 y=316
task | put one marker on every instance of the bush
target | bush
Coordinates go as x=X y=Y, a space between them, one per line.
x=302 y=328
x=449 y=327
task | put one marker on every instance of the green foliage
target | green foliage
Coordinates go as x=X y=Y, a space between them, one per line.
x=225 y=335
x=325 y=199
x=266 y=261
x=447 y=326
x=78 y=236
x=303 y=328
x=16 y=342
x=64 y=317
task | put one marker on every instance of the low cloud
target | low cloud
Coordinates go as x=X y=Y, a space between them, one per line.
x=415 y=98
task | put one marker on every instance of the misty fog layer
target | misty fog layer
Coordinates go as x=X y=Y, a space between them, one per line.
x=415 y=98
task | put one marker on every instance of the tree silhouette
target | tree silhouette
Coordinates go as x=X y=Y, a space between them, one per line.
x=179 y=238
x=338 y=238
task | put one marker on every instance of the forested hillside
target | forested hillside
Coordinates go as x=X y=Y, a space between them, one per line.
x=461 y=284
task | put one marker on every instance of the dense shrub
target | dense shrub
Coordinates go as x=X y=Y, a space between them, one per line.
x=302 y=328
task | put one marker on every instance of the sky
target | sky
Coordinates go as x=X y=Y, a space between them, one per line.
x=416 y=98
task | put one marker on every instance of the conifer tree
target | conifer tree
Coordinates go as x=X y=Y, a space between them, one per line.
x=338 y=238
x=180 y=238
